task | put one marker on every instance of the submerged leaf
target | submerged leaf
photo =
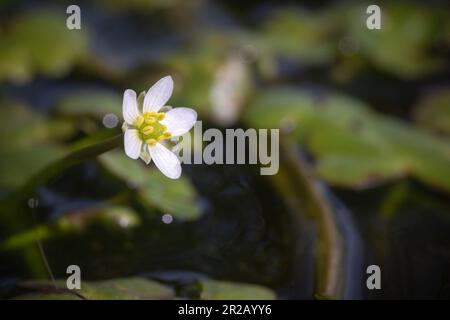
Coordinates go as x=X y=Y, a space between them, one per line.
x=90 y=103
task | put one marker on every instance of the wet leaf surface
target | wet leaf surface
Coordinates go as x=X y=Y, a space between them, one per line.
x=355 y=146
x=176 y=197
x=222 y=290
x=433 y=112
x=123 y=288
x=36 y=43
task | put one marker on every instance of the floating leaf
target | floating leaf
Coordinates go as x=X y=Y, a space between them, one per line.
x=319 y=296
x=21 y=127
x=355 y=147
x=18 y=165
x=122 y=167
x=222 y=290
x=134 y=288
x=299 y=34
x=126 y=288
x=433 y=112
x=26 y=238
x=26 y=140
x=414 y=25
x=48 y=296
x=176 y=197
x=39 y=42
x=96 y=104
x=114 y=217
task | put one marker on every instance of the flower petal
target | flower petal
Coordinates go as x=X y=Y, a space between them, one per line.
x=145 y=155
x=158 y=94
x=132 y=143
x=179 y=120
x=129 y=106
x=165 y=160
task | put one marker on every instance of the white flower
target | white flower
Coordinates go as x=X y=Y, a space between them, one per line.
x=145 y=129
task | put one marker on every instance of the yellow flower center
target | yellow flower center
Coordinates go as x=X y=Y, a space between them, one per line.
x=150 y=129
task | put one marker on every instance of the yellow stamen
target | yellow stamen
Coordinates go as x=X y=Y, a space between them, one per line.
x=160 y=115
x=151 y=141
x=139 y=121
x=150 y=120
x=167 y=135
x=148 y=130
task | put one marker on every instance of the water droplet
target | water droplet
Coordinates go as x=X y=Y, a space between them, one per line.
x=110 y=120
x=167 y=218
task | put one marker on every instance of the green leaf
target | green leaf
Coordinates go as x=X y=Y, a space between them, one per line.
x=222 y=290
x=299 y=34
x=39 y=42
x=26 y=238
x=22 y=127
x=176 y=197
x=90 y=103
x=27 y=143
x=433 y=112
x=412 y=24
x=133 y=288
x=47 y=296
x=355 y=146
x=320 y=296
x=124 y=168
x=18 y=165
x=113 y=217
x=126 y=288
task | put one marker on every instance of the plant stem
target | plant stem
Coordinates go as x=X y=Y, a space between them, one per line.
x=302 y=194
x=51 y=171
x=73 y=158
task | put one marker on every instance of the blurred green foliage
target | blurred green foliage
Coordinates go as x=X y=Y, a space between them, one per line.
x=138 y=288
x=174 y=197
x=222 y=290
x=25 y=143
x=36 y=43
x=433 y=112
x=75 y=223
x=118 y=289
x=354 y=146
